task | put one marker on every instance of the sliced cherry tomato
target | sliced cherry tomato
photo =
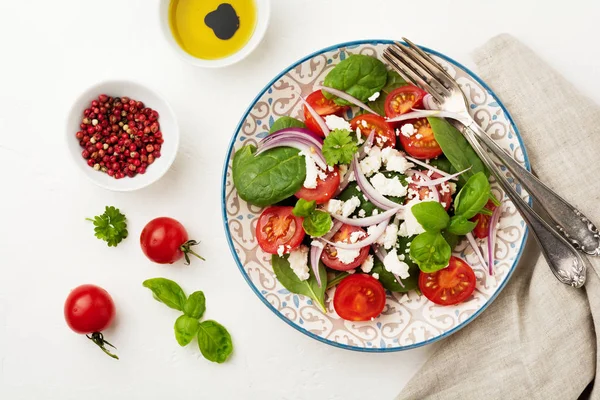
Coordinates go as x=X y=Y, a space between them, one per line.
x=421 y=144
x=323 y=107
x=330 y=256
x=402 y=100
x=276 y=227
x=384 y=132
x=325 y=189
x=450 y=285
x=359 y=297
x=423 y=191
x=483 y=222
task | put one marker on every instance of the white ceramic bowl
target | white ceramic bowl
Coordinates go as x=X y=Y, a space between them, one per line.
x=263 y=11
x=168 y=127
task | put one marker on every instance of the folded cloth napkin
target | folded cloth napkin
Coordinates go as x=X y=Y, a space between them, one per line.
x=537 y=340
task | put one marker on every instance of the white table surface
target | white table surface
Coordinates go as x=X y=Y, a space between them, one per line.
x=50 y=52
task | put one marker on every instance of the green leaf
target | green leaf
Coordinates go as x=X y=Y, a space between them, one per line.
x=394 y=81
x=456 y=148
x=473 y=196
x=304 y=208
x=431 y=215
x=339 y=147
x=195 y=305
x=430 y=251
x=358 y=75
x=286 y=122
x=185 y=329
x=288 y=278
x=270 y=177
x=166 y=291
x=443 y=164
x=110 y=226
x=451 y=238
x=459 y=225
x=214 y=341
x=317 y=224
x=337 y=279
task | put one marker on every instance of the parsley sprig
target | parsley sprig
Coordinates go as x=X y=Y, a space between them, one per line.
x=110 y=226
x=339 y=147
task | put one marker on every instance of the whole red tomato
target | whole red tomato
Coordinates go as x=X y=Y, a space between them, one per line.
x=164 y=241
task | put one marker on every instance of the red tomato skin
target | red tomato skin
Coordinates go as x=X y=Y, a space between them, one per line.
x=360 y=291
x=289 y=245
x=333 y=262
x=426 y=147
x=383 y=130
x=89 y=309
x=456 y=266
x=483 y=222
x=161 y=240
x=323 y=107
x=406 y=106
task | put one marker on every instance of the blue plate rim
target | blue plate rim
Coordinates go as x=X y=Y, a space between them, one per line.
x=241 y=267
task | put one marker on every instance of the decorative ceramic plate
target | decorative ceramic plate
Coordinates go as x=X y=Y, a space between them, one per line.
x=408 y=320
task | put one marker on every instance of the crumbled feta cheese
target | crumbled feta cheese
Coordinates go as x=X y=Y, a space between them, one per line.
x=352 y=178
x=334 y=206
x=280 y=250
x=392 y=263
x=342 y=169
x=334 y=122
x=370 y=165
x=410 y=226
x=419 y=136
x=374 y=97
x=389 y=237
x=429 y=173
x=407 y=130
x=445 y=188
x=397 y=132
x=388 y=186
x=364 y=124
x=452 y=187
x=401 y=257
x=347 y=256
x=394 y=160
x=375 y=212
x=356 y=236
x=312 y=172
x=359 y=138
x=362 y=213
x=351 y=271
x=367 y=265
x=375 y=275
x=298 y=260
x=350 y=205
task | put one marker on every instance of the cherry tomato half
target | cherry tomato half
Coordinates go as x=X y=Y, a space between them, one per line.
x=384 y=133
x=330 y=256
x=277 y=226
x=323 y=107
x=483 y=222
x=421 y=144
x=164 y=241
x=423 y=191
x=359 y=297
x=450 y=285
x=403 y=100
x=89 y=309
x=325 y=189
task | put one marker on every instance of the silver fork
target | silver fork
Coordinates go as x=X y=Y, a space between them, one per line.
x=573 y=230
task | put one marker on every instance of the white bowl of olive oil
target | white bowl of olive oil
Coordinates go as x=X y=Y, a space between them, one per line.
x=214 y=33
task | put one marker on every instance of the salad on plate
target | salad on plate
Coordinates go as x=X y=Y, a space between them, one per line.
x=370 y=192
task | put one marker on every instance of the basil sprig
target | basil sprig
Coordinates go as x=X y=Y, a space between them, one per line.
x=316 y=223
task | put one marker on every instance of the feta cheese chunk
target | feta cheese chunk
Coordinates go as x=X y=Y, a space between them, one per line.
x=362 y=213
x=347 y=256
x=407 y=130
x=367 y=265
x=374 y=97
x=334 y=206
x=389 y=237
x=312 y=171
x=356 y=236
x=369 y=165
x=334 y=122
x=394 y=160
x=375 y=275
x=350 y=205
x=392 y=263
x=298 y=260
x=410 y=226
x=388 y=186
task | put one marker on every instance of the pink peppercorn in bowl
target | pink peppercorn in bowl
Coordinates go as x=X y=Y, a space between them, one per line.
x=122 y=135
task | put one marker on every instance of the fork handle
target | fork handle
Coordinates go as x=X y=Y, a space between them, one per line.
x=567 y=264
x=569 y=221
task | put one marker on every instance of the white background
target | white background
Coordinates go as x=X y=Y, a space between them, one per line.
x=50 y=51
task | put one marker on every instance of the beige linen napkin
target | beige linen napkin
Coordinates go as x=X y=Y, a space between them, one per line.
x=537 y=340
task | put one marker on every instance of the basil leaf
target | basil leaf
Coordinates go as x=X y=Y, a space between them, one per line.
x=270 y=177
x=456 y=148
x=185 y=329
x=304 y=208
x=288 y=278
x=459 y=225
x=166 y=291
x=358 y=75
x=473 y=196
x=214 y=341
x=451 y=238
x=431 y=215
x=317 y=223
x=286 y=122
x=394 y=81
x=195 y=305
x=430 y=251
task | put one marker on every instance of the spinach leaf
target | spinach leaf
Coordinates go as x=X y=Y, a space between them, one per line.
x=166 y=291
x=451 y=238
x=214 y=341
x=431 y=215
x=456 y=148
x=304 y=208
x=442 y=163
x=317 y=223
x=288 y=278
x=430 y=251
x=473 y=196
x=388 y=280
x=270 y=177
x=185 y=329
x=358 y=75
x=195 y=305
x=286 y=122
x=459 y=225
x=394 y=81
x=337 y=279
x=352 y=190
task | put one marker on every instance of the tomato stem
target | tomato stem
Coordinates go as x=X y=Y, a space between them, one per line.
x=187 y=251
x=98 y=339
x=485 y=211
x=494 y=199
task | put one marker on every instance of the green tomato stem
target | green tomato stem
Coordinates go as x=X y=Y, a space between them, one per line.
x=98 y=339
x=494 y=199
x=185 y=248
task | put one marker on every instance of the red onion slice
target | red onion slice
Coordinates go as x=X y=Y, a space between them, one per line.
x=369 y=191
x=492 y=237
x=426 y=182
x=429 y=167
x=367 y=221
x=295 y=133
x=347 y=97
x=314 y=152
x=316 y=251
x=439 y=181
x=368 y=144
x=429 y=103
x=320 y=121
x=476 y=249
x=427 y=113
x=372 y=238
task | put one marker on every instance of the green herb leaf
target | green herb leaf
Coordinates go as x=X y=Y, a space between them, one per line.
x=195 y=305
x=337 y=279
x=166 y=291
x=286 y=122
x=358 y=75
x=214 y=341
x=459 y=225
x=473 y=196
x=185 y=329
x=288 y=278
x=339 y=147
x=394 y=81
x=431 y=215
x=451 y=238
x=304 y=208
x=430 y=251
x=317 y=223
x=110 y=226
